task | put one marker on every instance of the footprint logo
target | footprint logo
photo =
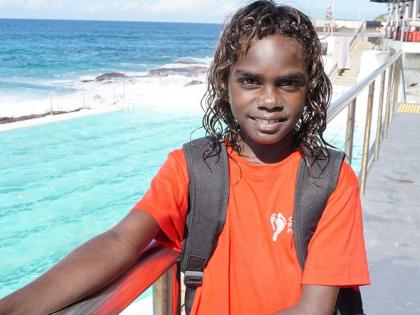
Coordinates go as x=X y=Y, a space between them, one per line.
x=278 y=223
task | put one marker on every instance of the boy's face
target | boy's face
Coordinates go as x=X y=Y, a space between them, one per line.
x=267 y=91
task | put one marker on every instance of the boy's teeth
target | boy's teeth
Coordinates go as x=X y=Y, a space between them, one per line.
x=267 y=121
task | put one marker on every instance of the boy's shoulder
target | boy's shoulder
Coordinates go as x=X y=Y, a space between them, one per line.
x=347 y=176
x=176 y=156
x=176 y=153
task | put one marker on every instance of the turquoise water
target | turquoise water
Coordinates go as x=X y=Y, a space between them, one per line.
x=335 y=135
x=63 y=183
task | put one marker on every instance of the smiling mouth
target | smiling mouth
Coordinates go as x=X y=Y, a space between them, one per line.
x=267 y=125
x=266 y=121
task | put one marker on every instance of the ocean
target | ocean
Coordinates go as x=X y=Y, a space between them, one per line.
x=41 y=59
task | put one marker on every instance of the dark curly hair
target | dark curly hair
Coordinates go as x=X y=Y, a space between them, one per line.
x=248 y=25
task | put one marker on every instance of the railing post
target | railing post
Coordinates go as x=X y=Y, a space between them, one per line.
x=397 y=77
x=402 y=77
x=365 y=157
x=379 y=123
x=394 y=81
x=395 y=88
x=389 y=100
x=350 y=129
x=162 y=295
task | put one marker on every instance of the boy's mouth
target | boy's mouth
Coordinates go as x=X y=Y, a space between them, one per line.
x=266 y=121
x=266 y=125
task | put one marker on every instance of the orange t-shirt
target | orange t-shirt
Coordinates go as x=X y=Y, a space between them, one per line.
x=254 y=268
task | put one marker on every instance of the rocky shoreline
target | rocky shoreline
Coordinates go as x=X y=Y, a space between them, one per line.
x=6 y=120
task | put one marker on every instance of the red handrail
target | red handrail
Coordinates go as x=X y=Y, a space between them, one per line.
x=114 y=298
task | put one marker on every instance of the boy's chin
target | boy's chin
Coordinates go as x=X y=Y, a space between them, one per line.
x=271 y=139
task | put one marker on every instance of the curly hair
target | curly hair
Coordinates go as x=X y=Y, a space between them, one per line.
x=248 y=25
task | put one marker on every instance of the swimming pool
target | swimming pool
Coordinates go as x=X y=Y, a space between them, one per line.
x=62 y=183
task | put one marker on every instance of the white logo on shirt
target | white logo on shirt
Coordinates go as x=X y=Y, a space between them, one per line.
x=278 y=223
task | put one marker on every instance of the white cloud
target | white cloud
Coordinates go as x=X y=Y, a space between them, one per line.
x=32 y=4
x=159 y=7
x=132 y=6
x=177 y=10
x=178 y=6
x=104 y=7
x=227 y=8
x=208 y=10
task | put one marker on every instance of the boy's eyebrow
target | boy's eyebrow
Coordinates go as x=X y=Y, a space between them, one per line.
x=288 y=76
x=244 y=73
x=296 y=77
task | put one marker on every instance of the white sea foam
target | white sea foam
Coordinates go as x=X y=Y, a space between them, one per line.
x=181 y=65
x=170 y=92
x=87 y=77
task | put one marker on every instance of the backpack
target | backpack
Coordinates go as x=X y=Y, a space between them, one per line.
x=208 y=199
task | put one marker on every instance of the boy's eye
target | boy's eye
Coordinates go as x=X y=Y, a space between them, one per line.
x=289 y=84
x=248 y=81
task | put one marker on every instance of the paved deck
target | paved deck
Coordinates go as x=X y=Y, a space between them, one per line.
x=392 y=221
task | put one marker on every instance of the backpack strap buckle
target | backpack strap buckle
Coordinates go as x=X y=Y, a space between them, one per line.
x=193 y=279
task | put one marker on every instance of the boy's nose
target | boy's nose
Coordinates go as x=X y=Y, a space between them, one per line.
x=269 y=99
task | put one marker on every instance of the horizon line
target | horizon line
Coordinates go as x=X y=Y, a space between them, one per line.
x=136 y=21
x=104 y=20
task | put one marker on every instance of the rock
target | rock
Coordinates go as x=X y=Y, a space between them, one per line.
x=188 y=71
x=182 y=61
x=110 y=76
x=194 y=82
x=5 y=120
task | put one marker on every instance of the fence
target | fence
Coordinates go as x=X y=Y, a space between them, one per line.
x=388 y=78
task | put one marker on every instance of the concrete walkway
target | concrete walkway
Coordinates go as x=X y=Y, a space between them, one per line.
x=392 y=221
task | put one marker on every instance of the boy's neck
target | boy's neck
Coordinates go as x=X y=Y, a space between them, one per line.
x=267 y=153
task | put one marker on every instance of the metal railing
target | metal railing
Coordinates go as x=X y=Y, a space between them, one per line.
x=391 y=69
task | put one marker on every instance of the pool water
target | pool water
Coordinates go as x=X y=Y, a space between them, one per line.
x=63 y=183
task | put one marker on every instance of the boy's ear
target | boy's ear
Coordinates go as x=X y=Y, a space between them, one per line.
x=226 y=97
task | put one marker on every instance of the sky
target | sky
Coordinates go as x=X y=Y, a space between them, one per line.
x=206 y=11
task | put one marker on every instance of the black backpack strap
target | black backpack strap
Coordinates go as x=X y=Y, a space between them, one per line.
x=206 y=216
x=349 y=302
x=314 y=185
